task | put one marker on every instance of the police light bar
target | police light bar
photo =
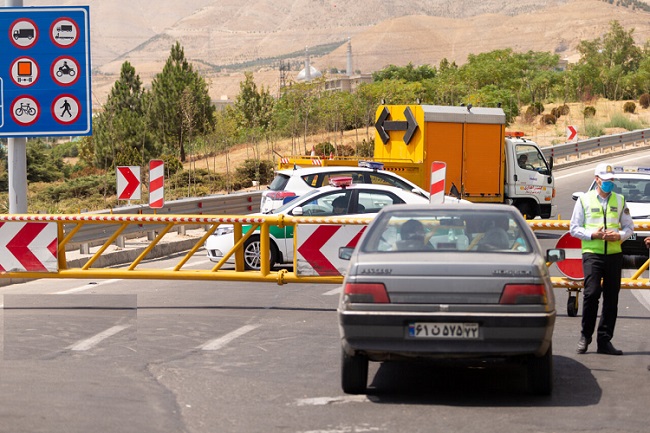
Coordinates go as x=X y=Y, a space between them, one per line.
x=341 y=182
x=371 y=164
x=631 y=169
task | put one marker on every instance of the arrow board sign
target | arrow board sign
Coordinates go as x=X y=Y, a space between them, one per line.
x=318 y=248
x=383 y=125
x=28 y=247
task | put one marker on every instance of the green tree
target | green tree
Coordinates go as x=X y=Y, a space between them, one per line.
x=121 y=127
x=607 y=62
x=180 y=104
x=406 y=73
x=41 y=165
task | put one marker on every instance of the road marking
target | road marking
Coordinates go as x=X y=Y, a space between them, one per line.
x=86 y=287
x=322 y=401
x=88 y=343
x=220 y=342
x=332 y=292
x=575 y=173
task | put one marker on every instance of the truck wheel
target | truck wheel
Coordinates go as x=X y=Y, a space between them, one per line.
x=252 y=256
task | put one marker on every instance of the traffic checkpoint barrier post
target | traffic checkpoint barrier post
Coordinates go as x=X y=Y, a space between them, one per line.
x=100 y=265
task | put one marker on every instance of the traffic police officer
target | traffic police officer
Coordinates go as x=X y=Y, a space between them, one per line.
x=602 y=221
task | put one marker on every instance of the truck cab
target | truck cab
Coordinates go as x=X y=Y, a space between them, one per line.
x=529 y=180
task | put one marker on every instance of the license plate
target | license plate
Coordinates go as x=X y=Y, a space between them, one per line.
x=458 y=331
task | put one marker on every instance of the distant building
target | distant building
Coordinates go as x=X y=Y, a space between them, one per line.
x=340 y=83
x=347 y=83
x=309 y=72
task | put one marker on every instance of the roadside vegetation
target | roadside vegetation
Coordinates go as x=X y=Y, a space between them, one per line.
x=175 y=121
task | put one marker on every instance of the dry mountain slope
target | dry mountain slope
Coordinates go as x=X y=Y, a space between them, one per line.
x=222 y=32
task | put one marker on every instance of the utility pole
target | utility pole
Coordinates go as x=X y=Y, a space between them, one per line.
x=17 y=161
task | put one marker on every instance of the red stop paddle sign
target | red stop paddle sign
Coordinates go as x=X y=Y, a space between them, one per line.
x=571 y=267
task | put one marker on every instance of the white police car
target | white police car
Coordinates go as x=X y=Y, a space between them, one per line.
x=360 y=200
x=289 y=184
x=634 y=184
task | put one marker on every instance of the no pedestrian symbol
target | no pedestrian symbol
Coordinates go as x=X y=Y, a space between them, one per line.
x=66 y=109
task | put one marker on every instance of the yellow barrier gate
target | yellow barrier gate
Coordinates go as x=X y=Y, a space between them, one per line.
x=117 y=224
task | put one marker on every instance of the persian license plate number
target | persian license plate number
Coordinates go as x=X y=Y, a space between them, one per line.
x=463 y=331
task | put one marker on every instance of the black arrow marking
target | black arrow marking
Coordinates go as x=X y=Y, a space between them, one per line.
x=383 y=125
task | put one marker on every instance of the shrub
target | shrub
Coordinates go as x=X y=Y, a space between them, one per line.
x=622 y=121
x=555 y=111
x=365 y=149
x=644 y=100
x=548 y=119
x=324 y=149
x=629 y=107
x=593 y=129
x=535 y=109
x=253 y=169
x=82 y=188
x=172 y=164
x=344 y=150
x=564 y=109
x=589 y=111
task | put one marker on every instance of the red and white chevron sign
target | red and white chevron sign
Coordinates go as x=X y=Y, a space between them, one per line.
x=571 y=132
x=128 y=183
x=28 y=247
x=437 y=189
x=318 y=248
x=156 y=184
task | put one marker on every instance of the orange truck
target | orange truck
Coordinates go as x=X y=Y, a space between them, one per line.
x=484 y=163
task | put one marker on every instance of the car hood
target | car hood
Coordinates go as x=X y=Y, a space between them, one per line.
x=639 y=210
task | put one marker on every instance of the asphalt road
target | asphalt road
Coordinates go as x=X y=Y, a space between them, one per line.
x=188 y=356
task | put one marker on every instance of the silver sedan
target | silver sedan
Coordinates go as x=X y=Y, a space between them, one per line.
x=447 y=281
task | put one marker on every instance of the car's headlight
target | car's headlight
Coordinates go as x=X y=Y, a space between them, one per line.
x=224 y=230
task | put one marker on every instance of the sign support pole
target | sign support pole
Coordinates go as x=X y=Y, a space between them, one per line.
x=17 y=158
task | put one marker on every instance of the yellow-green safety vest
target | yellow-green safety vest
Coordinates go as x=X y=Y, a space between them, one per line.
x=595 y=218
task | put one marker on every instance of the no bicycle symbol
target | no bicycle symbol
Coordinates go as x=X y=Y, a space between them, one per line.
x=66 y=109
x=25 y=110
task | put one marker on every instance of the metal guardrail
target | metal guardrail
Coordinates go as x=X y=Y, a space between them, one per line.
x=228 y=204
x=600 y=144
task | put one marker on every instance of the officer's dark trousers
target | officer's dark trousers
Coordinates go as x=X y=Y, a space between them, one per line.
x=597 y=268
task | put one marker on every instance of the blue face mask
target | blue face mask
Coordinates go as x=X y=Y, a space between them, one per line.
x=607 y=186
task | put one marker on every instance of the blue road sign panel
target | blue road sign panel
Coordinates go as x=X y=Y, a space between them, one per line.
x=45 y=71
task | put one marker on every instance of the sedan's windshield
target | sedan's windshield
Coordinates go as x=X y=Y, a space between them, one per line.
x=446 y=231
x=634 y=190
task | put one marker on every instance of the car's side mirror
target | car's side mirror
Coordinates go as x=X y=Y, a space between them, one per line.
x=576 y=195
x=345 y=253
x=297 y=211
x=555 y=255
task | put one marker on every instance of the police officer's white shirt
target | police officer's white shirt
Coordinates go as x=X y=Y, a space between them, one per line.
x=578 y=230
